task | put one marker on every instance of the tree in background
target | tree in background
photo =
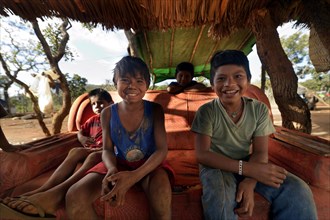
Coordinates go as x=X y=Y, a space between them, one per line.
x=77 y=85
x=30 y=55
x=319 y=82
x=296 y=47
x=5 y=84
x=20 y=57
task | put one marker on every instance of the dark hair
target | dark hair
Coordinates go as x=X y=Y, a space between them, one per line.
x=225 y=57
x=131 y=66
x=185 y=66
x=101 y=93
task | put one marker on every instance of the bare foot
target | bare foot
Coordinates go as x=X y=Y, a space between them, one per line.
x=48 y=202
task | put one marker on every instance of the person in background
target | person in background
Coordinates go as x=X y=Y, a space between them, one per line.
x=230 y=173
x=134 y=150
x=47 y=198
x=184 y=74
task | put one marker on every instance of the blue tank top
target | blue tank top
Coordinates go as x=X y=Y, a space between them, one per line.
x=137 y=146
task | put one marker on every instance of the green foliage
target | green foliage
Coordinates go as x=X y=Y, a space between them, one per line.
x=320 y=82
x=107 y=87
x=88 y=26
x=18 y=47
x=3 y=80
x=77 y=85
x=54 y=35
x=22 y=104
x=296 y=48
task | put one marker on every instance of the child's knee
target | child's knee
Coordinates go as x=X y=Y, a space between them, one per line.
x=77 y=153
x=158 y=182
x=160 y=176
x=295 y=184
x=94 y=157
x=298 y=190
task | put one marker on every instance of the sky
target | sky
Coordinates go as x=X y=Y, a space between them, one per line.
x=97 y=52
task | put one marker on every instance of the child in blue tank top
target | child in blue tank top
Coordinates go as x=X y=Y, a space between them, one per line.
x=134 y=148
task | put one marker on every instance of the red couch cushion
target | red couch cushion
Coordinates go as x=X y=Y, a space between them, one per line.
x=45 y=154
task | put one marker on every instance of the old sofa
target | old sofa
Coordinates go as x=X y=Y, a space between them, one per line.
x=304 y=155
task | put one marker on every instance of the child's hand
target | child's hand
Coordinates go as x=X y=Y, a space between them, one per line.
x=245 y=197
x=87 y=141
x=107 y=185
x=95 y=149
x=269 y=174
x=123 y=182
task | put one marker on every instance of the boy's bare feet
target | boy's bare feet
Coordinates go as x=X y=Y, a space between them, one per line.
x=46 y=202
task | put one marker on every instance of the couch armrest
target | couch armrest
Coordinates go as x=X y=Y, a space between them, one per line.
x=304 y=155
x=45 y=154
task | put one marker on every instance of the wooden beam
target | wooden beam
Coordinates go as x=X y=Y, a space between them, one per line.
x=212 y=52
x=197 y=42
x=171 y=47
x=150 y=55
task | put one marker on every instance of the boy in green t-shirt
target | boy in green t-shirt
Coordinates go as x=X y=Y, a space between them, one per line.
x=225 y=130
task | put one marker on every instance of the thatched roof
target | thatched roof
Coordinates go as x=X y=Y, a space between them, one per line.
x=226 y=15
x=225 y=19
x=167 y=31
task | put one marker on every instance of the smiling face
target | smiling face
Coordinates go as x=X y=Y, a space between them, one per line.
x=230 y=83
x=131 y=88
x=183 y=77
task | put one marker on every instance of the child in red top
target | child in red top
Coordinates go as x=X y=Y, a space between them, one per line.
x=51 y=194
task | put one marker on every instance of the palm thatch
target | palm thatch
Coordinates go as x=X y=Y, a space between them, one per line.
x=223 y=18
x=320 y=57
x=140 y=15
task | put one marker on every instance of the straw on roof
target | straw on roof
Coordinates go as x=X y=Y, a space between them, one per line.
x=140 y=14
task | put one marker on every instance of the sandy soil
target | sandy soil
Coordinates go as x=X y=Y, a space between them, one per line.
x=20 y=131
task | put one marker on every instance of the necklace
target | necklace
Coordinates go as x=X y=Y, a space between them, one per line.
x=235 y=113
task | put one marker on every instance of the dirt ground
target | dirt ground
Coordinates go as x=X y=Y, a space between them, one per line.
x=20 y=131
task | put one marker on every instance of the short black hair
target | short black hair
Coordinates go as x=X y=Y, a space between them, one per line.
x=185 y=66
x=101 y=93
x=131 y=65
x=225 y=57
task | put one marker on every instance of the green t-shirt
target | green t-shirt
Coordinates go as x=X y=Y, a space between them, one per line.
x=230 y=139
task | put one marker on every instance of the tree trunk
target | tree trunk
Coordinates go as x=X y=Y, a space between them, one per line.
x=27 y=90
x=132 y=44
x=294 y=111
x=59 y=116
x=39 y=116
x=6 y=96
x=263 y=78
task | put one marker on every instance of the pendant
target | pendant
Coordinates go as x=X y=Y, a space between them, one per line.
x=234 y=114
